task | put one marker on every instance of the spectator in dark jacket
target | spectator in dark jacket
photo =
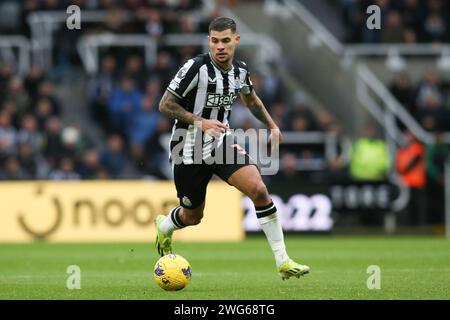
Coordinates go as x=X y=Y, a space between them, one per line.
x=124 y=103
x=113 y=157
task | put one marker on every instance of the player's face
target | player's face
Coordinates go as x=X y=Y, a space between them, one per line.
x=222 y=45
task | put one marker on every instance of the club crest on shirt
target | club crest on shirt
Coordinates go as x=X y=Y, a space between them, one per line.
x=182 y=73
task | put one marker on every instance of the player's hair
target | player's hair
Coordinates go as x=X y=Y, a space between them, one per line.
x=221 y=24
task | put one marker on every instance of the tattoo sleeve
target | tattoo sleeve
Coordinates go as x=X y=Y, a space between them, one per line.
x=171 y=108
x=258 y=109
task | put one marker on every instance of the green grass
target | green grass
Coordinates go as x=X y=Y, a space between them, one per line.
x=411 y=268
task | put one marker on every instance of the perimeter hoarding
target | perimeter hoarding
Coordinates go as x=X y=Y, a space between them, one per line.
x=109 y=211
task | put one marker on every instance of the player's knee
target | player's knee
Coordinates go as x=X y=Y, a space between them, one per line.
x=259 y=192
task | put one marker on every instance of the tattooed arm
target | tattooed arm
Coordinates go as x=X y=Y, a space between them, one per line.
x=257 y=108
x=170 y=106
x=254 y=103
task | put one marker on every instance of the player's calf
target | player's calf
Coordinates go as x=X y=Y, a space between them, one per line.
x=191 y=217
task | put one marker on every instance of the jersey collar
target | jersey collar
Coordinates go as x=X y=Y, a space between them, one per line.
x=217 y=66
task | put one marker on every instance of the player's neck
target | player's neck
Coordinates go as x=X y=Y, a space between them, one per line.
x=224 y=66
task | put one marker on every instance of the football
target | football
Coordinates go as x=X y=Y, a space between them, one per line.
x=172 y=272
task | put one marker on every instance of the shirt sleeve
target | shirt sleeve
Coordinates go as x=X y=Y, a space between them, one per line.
x=247 y=86
x=185 y=80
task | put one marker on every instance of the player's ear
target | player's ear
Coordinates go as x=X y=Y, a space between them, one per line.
x=237 y=38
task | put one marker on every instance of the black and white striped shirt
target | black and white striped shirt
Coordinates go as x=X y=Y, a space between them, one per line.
x=208 y=91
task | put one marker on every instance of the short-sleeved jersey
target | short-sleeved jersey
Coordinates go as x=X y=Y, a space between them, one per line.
x=208 y=91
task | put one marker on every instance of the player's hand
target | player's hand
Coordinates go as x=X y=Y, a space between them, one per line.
x=275 y=138
x=213 y=127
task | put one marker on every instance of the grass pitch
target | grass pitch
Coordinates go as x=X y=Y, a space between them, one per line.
x=411 y=268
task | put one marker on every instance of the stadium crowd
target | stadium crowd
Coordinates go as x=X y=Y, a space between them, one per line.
x=403 y=21
x=427 y=101
x=123 y=97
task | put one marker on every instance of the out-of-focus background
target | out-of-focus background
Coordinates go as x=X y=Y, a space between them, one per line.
x=365 y=114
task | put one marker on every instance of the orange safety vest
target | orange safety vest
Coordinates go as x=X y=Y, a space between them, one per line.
x=413 y=175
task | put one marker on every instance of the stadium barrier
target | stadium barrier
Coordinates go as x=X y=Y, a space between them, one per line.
x=106 y=211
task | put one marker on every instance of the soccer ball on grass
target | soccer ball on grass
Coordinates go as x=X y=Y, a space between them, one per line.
x=172 y=272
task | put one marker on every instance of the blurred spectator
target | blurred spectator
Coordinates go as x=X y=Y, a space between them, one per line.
x=278 y=114
x=153 y=88
x=12 y=170
x=100 y=88
x=28 y=160
x=410 y=36
x=434 y=29
x=8 y=135
x=437 y=154
x=6 y=72
x=124 y=103
x=369 y=157
x=153 y=24
x=115 y=20
x=46 y=90
x=411 y=15
x=410 y=162
x=302 y=119
x=33 y=79
x=324 y=121
x=163 y=69
x=433 y=116
x=43 y=112
x=273 y=88
x=9 y=107
x=431 y=83
x=143 y=125
x=18 y=95
x=403 y=90
x=74 y=142
x=29 y=133
x=52 y=141
x=288 y=173
x=134 y=68
x=394 y=31
x=65 y=171
x=113 y=157
x=410 y=165
x=337 y=161
x=90 y=164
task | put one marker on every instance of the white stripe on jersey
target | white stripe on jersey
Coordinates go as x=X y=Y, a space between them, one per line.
x=201 y=91
x=214 y=115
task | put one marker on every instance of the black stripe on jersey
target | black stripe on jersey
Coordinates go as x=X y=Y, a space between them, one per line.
x=226 y=85
x=237 y=79
x=237 y=74
x=212 y=88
